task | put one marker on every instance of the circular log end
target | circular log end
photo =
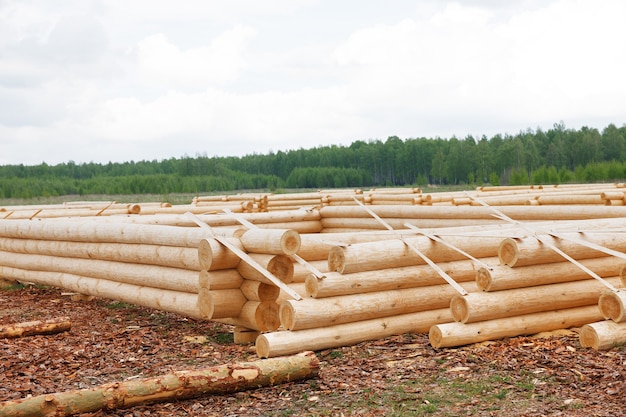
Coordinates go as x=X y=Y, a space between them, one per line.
x=589 y=337
x=205 y=304
x=268 y=292
x=508 y=252
x=134 y=209
x=311 y=285
x=262 y=346
x=287 y=315
x=483 y=279
x=205 y=254
x=290 y=242
x=281 y=266
x=435 y=336
x=622 y=275
x=204 y=279
x=266 y=316
x=611 y=306
x=459 y=308
x=336 y=259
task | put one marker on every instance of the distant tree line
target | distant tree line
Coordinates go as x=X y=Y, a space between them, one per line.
x=558 y=155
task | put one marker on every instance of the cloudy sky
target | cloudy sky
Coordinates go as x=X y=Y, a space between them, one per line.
x=122 y=80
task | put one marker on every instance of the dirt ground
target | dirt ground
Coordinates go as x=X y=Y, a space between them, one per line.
x=398 y=376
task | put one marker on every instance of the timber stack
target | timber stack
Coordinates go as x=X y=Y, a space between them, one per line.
x=317 y=270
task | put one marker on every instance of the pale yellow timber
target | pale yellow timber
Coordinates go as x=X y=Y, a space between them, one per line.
x=602 y=335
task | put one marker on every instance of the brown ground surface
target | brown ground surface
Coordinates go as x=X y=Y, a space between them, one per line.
x=402 y=375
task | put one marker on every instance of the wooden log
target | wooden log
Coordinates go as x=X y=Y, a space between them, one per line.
x=281 y=266
x=137 y=274
x=31 y=328
x=310 y=313
x=94 y=231
x=602 y=335
x=213 y=256
x=483 y=306
x=298 y=287
x=520 y=213
x=175 y=257
x=300 y=272
x=259 y=291
x=245 y=336
x=261 y=316
x=529 y=251
x=225 y=303
x=169 y=387
x=398 y=223
x=179 y=302
x=271 y=241
x=288 y=342
x=612 y=305
x=335 y=284
x=458 y=334
x=395 y=253
x=503 y=277
x=223 y=279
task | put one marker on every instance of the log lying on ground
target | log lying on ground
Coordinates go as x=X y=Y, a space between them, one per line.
x=481 y=306
x=288 y=342
x=503 y=277
x=458 y=334
x=602 y=335
x=31 y=328
x=322 y=312
x=174 y=386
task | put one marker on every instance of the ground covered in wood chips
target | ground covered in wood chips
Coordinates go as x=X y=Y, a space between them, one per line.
x=398 y=376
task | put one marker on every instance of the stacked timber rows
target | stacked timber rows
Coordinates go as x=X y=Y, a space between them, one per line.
x=318 y=270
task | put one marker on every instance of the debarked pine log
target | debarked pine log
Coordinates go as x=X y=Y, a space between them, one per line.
x=175 y=279
x=96 y=231
x=288 y=342
x=321 y=312
x=602 y=335
x=481 y=306
x=503 y=277
x=270 y=241
x=169 y=387
x=175 y=257
x=334 y=283
x=395 y=253
x=458 y=334
x=179 y=302
x=530 y=251
x=31 y=328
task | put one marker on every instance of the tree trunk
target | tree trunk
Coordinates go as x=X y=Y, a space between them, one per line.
x=31 y=328
x=603 y=335
x=169 y=387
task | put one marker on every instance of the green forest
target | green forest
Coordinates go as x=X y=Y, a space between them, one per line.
x=558 y=155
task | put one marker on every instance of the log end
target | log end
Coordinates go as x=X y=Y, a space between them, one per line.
x=311 y=285
x=612 y=306
x=290 y=242
x=508 y=252
x=262 y=346
x=484 y=280
x=281 y=266
x=267 y=317
x=287 y=315
x=459 y=308
x=336 y=259
x=435 y=336
x=589 y=337
x=205 y=254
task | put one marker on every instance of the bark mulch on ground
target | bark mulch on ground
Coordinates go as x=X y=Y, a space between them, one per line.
x=398 y=376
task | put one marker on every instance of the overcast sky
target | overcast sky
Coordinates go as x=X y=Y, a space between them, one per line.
x=122 y=80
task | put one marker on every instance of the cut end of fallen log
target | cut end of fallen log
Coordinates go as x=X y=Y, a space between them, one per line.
x=602 y=335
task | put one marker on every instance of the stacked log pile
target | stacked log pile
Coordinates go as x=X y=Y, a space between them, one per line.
x=336 y=267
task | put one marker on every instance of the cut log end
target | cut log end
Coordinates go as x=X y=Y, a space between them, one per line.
x=459 y=308
x=311 y=285
x=262 y=346
x=508 y=252
x=287 y=315
x=435 y=336
x=205 y=254
x=589 y=337
x=290 y=242
x=483 y=279
x=602 y=335
x=282 y=267
x=613 y=306
x=336 y=259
